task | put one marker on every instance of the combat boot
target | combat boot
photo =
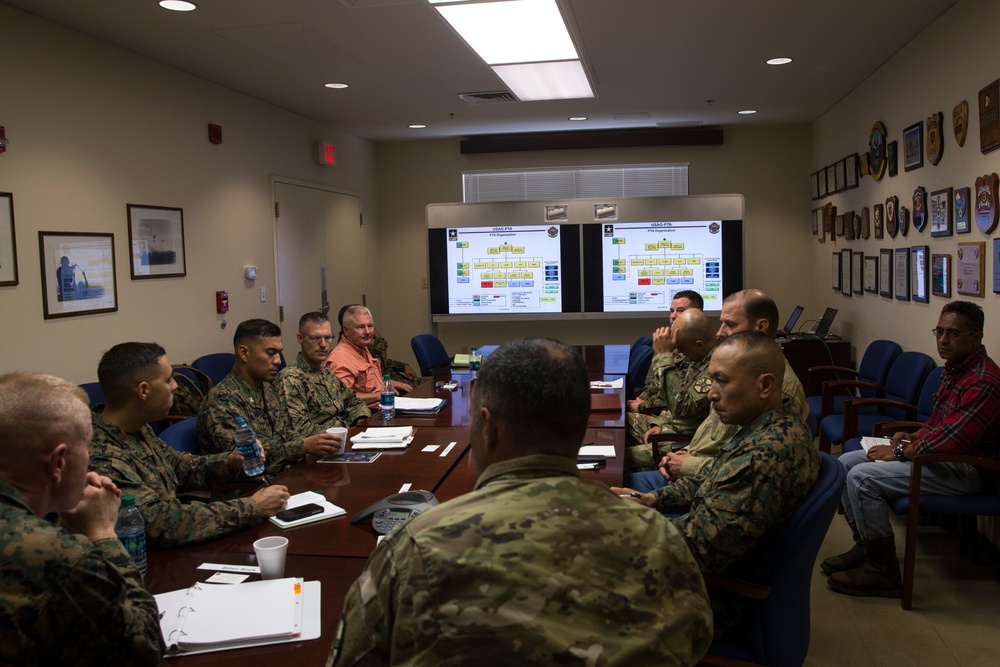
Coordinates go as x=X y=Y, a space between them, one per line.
x=878 y=576
x=850 y=559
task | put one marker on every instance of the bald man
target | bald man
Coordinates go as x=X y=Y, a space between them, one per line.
x=683 y=391
x=760 y=475
x=69 y=594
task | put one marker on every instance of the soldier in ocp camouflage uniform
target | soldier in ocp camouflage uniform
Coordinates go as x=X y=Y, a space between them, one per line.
x=316 y=399
x=684 y=391
x=137 y=383
x=759 y=477
x=249 y=391
x=69 y=595
x=536 y=564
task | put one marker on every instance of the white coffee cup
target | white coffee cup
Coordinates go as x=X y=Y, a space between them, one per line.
x=342 y=432
x=271 y=552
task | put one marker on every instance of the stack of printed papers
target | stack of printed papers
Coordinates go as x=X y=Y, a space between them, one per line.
x=419 y=406
x=383 y=437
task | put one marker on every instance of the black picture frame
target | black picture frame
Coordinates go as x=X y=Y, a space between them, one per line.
x=885 y=273
x=913 y=146
x=156 y=242
x=919 y=255
x=61 y=255
x=901 y=271
x=939 y=209
x=8 y=242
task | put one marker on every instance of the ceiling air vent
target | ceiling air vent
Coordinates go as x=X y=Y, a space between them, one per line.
x=500 y=97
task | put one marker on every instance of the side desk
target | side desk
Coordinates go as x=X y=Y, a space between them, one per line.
x=803 y=353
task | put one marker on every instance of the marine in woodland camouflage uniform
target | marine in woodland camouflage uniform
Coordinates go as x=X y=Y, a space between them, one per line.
x=148 y=468
x=65 y=598
x=316 y=399
x=264 y=410
x=536 y=564
x=138 y=386
x=760 y=475
x=379 y=348
x=249 y=391
x=684 y=389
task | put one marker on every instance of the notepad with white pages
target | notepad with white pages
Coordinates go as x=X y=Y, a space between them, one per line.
x=383 y=437
x=211 y=617
x=305 y=498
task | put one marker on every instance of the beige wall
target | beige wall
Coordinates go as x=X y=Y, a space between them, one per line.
x=949 y=62
x=762 y=164
x=91 y=128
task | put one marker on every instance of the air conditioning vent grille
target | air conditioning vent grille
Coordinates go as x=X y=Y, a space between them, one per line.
x=499 y=97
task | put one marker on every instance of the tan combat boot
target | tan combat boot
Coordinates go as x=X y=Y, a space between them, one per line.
x=878 y=576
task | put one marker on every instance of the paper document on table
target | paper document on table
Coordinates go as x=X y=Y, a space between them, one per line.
x=383 y=437
x=209 y=617
x=460 y=360
x=868 y=442
x=607 y=451
x=614 y=384
x=427 y=406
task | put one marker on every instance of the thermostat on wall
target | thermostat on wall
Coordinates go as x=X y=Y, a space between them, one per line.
x=250 y=272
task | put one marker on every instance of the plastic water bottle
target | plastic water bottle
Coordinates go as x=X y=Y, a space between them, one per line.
x=246 y=444
x=474 y=360
x=387 y=401
x=131 y=530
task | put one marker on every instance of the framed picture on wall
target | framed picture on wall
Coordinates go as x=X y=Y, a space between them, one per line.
x=156 y=242
x=814 y=183
x=857 y=260
x=901 y=270
x=885 y=273
x=996 y=265
x=913 y=146
x=78 y=273
x=851 y=166
x=835 y=272
x=940 y=210
x=8 y=242
x=918 y=271
x=970 y=272
x=941 y=275
x=961 y=205
x=845 y=272
x=871 y=274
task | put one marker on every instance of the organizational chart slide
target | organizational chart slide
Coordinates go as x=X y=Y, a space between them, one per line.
x=645 y=263
x=504 y=269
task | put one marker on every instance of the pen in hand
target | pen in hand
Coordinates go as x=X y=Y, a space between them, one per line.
x=630 y=495
x=265 y=480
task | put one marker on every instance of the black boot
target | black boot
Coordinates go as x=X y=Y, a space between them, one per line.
x=850 y=559
x=878 y=576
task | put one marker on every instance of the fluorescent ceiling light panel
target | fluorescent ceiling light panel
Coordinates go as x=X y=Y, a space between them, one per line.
x=515 y=31
x=546 y=81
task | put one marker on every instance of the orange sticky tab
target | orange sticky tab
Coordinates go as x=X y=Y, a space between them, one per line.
x=298 y=589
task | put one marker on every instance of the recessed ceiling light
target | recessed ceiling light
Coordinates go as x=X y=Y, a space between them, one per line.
x=336 y=85
x=178 y=5
x=747 y=112
x=577 y=118
x=416 y=126
x=779 y=61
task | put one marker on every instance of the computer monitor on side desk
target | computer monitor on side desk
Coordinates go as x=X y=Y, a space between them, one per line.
x=793 y=319
x=822 y=327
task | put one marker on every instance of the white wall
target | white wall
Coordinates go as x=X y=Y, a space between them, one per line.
x=92 y=128
x=763 y=164
x=949 y=62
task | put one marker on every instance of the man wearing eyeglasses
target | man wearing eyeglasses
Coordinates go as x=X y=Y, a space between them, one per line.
x=964 y=421
x=316 y=399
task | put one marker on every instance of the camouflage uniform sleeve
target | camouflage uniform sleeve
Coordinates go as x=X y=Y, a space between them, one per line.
x=705 y=444
x=685 y=399
x=650 y=395
x=792 y=388
x=367 y=626
x=103 y=596
x=676 y=497
x=295 y=395
x=215 y=423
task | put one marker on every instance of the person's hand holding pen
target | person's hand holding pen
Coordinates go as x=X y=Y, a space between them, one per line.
x=647 y=499
x=271 y=499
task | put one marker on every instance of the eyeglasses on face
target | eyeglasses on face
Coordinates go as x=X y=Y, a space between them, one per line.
x=950 y=333
x=316 y=339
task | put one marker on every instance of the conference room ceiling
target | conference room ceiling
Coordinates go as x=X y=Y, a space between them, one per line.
x=654 y=63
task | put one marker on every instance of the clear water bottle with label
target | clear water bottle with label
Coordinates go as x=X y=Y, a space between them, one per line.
x=246 y=444
x=387 y=401
x=131 y=530
x=475 y=359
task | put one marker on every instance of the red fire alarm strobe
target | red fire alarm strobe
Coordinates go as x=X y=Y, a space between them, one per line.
x=326 y=154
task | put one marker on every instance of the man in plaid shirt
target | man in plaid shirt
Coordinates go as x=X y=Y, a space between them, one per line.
x=964 y=421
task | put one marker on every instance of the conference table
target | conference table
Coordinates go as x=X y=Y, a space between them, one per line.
x=334 y=551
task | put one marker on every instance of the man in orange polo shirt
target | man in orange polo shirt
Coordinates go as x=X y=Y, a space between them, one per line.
x=353 y=363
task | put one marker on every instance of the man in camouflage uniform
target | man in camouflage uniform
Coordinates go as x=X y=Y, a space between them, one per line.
x=649 y=397
x=69 y=595
x=536 y=564
x=138 y=389
x=760 y=475
x=747 y=310
x=684 y=391
x=249 y=391
x=316 y=398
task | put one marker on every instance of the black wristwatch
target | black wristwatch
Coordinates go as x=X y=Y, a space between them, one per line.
x=897 y=451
